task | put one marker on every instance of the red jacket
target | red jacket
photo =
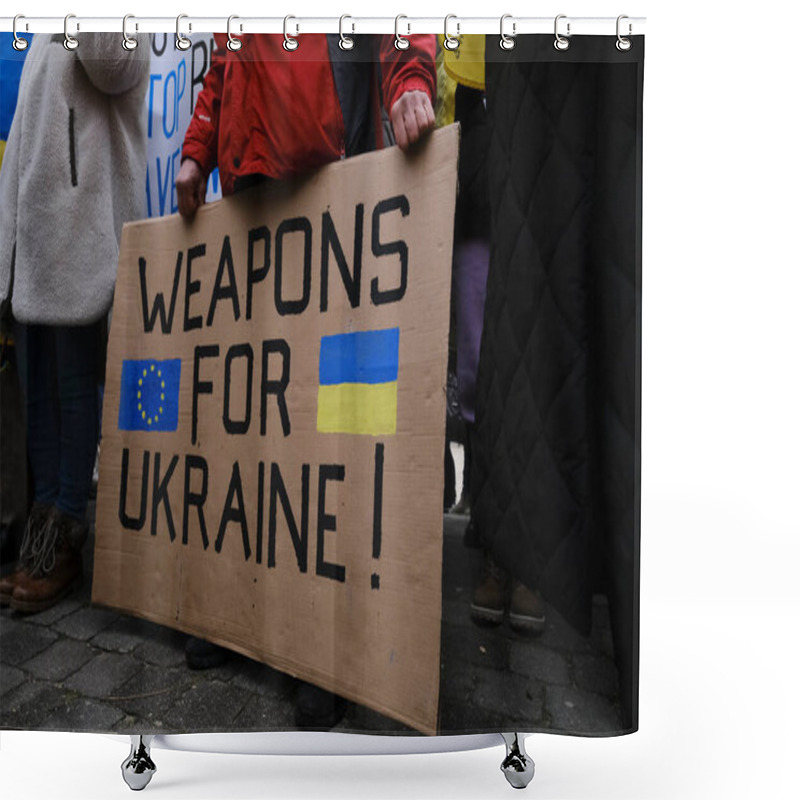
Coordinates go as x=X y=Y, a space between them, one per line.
x=266 y=111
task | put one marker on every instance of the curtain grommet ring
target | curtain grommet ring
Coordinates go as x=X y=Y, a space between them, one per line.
x=128 y=42
x=70 y=42
x=451 y=42
x=561 y=43
x=623 y=44
x=346 y=42
x=400 y=42
x=181 y=42
x=507 y=42
x=19 y=44
x=289 y=42
x=233 y=43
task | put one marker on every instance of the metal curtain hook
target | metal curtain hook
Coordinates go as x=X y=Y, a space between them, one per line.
x=561 y=42
x=19 y=43
x=234 y=44
x=623 y=44
x=70 y=42
x=128 y=42
x=507 y=42
x=289 y=43
x=451 y=42
x=400 y=42
x=346 y=42
x=181 y=42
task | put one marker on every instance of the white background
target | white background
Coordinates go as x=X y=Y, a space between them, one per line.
x=721 y=408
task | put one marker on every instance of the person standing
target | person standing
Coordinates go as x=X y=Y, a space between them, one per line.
x=73 y=173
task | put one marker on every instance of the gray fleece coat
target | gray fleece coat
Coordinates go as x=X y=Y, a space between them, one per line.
x=73 y=172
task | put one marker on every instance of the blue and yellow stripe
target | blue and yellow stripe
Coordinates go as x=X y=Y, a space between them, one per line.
x=358 y=382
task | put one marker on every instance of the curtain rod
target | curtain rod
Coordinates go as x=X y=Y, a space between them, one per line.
x=348 y=24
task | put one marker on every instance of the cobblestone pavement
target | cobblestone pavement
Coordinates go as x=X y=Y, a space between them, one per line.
x=79 y=667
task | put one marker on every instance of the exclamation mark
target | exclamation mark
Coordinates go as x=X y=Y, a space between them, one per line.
x=377 y=512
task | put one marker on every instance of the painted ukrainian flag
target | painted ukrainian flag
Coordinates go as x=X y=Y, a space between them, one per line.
x=358 y=382
x=149 y=395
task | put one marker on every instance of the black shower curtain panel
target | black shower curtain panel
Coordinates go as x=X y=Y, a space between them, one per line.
x=327 y=363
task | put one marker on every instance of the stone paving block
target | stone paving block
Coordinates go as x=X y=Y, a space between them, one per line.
x=103 y=675
x=86 y=623
x=456 y=612
x=361 y=719
x=560 y=635
x=577 y=711
x=257 y=678
x=596 y=674
x=265 y=714
x=209 y=706
x=60 y=660
x=57 y=612
x=602 y=641
x=513 y=697
x=485 y=647
x=152 y=691
x=457 y=683
x=30 y=704
x=124 y=634
x=82 y=714
x=164 y=648
x=20 y=641
x=531 y=659
x=470 y=719
x=10 y=678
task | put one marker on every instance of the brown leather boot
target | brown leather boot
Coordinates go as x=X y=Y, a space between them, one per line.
x=526 y=612
x=31 y=541
x=489 y=598
x=56 y=569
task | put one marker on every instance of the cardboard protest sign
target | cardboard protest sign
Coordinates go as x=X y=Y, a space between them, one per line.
x=273 y=433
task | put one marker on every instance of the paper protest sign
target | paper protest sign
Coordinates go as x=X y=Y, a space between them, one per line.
x=273 y=432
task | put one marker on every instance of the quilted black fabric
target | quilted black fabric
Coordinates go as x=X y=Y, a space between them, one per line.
x=556 y=451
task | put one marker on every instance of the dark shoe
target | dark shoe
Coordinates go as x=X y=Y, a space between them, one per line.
x=314 y=708
x=526 y=613
x=201 y=654
x=54 y=565
x=489 y=598
x=31 y=540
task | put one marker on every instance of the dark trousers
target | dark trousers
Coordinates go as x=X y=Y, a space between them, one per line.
x=59 y=373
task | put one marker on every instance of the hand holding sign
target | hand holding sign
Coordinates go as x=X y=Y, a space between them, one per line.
x=412 y=117
x=191 y=187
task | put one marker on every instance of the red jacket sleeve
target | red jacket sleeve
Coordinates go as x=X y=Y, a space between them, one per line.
x=202 y=135
x=406 y=70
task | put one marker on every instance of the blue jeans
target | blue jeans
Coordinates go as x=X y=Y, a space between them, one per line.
x=58 y=366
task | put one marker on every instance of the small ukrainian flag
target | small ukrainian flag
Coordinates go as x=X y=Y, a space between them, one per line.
x=358 y=382
x=149 y=394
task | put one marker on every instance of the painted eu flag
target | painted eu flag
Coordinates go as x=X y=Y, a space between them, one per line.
x=149 y=394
